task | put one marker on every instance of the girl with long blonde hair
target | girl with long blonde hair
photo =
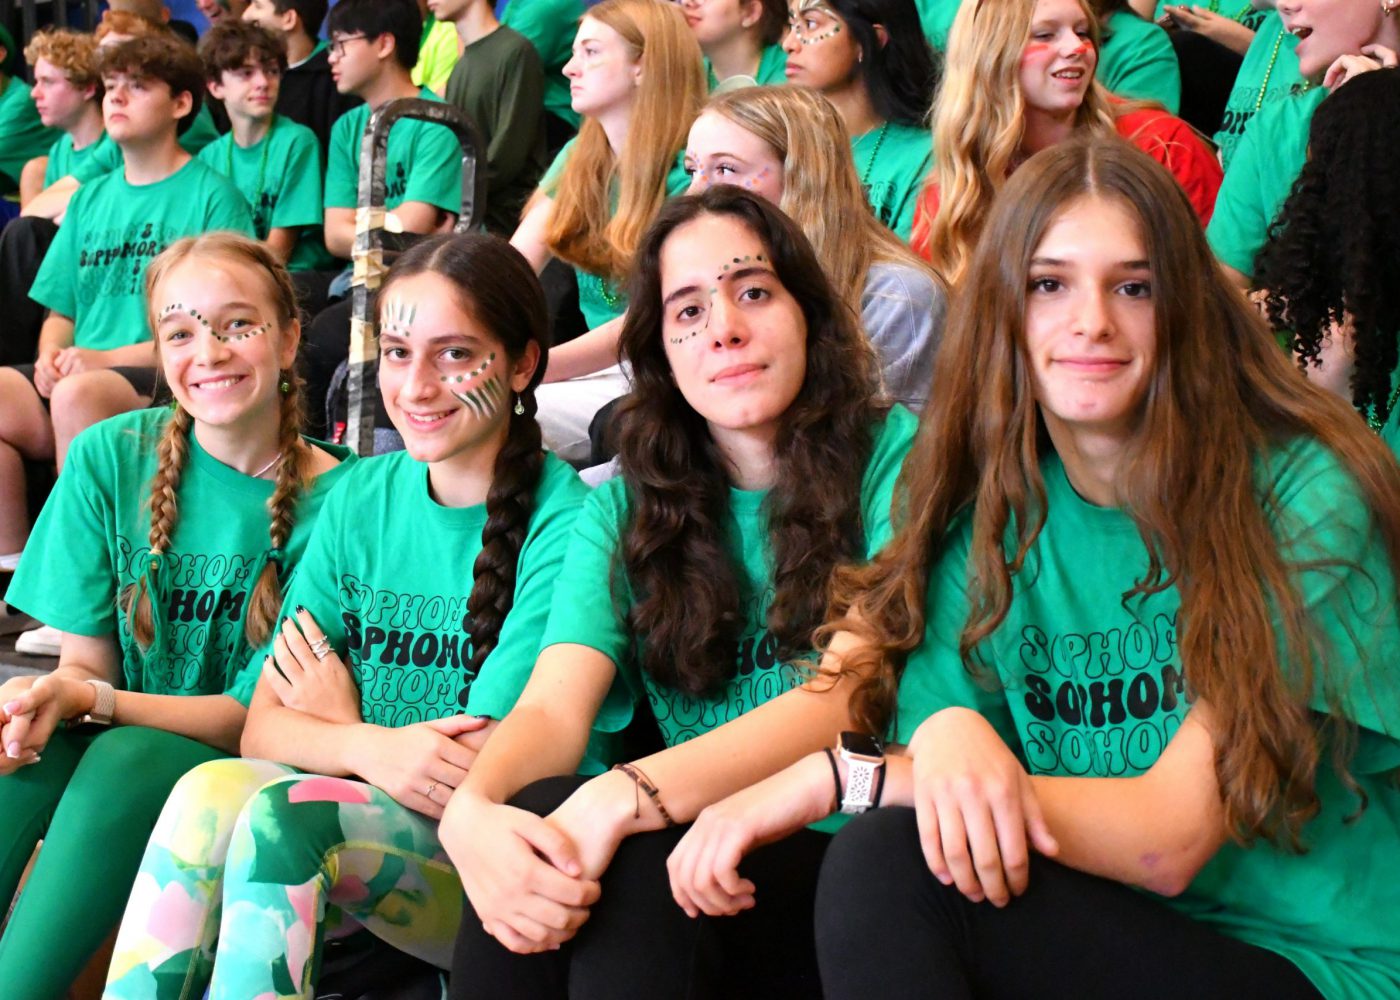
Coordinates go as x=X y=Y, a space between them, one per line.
x=161 y=557
x=1019 y=77
x=638 y=80
x=787 y=145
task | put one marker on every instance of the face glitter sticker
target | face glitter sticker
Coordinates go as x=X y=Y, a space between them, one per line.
x=396 y=318
x=198 y=317
x=713 y=290
x=819 y=7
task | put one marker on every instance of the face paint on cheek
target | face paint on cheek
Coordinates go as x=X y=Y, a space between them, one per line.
x=714 y=290
x=232 y=338
x=1034 y=51
x=397 y=317
x=485 y=398
x=756 y=179
x=459 y=379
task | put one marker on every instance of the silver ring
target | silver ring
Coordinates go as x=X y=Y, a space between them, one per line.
x=321 y=648
x=431 y=788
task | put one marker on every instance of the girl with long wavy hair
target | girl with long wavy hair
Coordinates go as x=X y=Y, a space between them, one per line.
x=1020 y=77
x=1324 y=265
x=397 y=650
x=1160 y=564
x=161 y=556
x=637 y=79
x=869 y=58
x=687 y=602
x=786 y=144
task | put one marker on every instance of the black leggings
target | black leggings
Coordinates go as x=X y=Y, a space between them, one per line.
x=887 y=928
x=639 y=944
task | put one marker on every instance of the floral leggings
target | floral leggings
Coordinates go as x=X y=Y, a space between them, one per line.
x=252 y=855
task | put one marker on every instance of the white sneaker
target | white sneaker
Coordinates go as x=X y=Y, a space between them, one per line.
x=10 y=563
x=41 y=641
x=13 y=620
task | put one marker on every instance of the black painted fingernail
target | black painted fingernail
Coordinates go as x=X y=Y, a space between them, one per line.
x=300 y=609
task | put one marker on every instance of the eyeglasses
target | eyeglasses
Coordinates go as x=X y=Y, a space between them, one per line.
x=338 y=44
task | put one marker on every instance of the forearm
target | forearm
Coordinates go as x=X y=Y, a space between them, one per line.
x=339 y=229
x=55 y=334
x=592 y=352
x=282 y=241
x=420 y=217
x=142 y=355
x=278 y=733
x=52 y=202
x=530 y=743
x=1234 y=36
x=215 y=719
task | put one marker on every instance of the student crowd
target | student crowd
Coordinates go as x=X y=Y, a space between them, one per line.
x=895 y=498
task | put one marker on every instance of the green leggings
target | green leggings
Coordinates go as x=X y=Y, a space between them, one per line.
x=93 y=801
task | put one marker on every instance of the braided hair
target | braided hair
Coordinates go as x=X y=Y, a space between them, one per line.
x=1339 y=233
x=498 y=288
x=173 y=448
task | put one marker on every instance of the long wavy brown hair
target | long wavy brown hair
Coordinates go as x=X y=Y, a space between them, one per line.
x=1222 y=396
x=673 y=554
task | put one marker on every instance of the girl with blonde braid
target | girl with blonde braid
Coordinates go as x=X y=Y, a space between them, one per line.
x=177 y=529
x=399 y=648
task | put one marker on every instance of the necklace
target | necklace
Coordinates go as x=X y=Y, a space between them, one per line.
x=1377 y=420
x=870 y=163
x=264 y=470
x=609 y=296
x=256 y=200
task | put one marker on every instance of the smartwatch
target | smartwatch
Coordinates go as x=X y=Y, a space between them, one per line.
x=865 y=771
x=104 y=704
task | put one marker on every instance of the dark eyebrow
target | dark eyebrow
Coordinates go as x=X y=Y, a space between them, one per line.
x=679 y=293
x=1127 y=265
x=747 y=272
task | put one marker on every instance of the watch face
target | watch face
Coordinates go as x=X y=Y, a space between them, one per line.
x=861 y=745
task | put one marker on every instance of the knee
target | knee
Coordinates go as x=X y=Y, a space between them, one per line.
x=865 y=867
x=81 y=400
x=293 y=822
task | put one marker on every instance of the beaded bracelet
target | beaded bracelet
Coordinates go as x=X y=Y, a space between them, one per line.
x=644 y=784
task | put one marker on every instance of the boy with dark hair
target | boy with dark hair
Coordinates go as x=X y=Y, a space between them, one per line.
x=499 y=82
x=274 y=162
x=95 y=358
x=374 y=45
x=308 y=95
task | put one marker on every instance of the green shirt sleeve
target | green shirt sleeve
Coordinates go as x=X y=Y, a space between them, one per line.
x=1138 y=61
x=226 y=208
x=437 y=56
x=343 y=162
x=299 y=195
x=53 y=286
x=506 y=670
x=892 y=444
x=105 y=157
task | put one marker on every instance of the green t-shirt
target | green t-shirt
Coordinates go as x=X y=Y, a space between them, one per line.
x=23 y=135
x=772 y=69
x=499 y=83
x=424 y=162
x=99 y=518
x=202 y=131
x=393 y=601
x=95 y=271
x=1137 y=60
x=936 y=18
x=585 y=612
x=550 y=25
x=280 y=178
x=1094 y=687
x=93 y=160
x=598 y=299
x=1268 y=74
x=1267 y=161
x=437 y=55
x=106 y=156
x=892 y=162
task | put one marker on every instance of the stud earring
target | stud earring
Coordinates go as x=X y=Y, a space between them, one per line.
x=284 y=387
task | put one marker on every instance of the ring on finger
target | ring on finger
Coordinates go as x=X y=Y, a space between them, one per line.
x=431 y=788
x=321 y=648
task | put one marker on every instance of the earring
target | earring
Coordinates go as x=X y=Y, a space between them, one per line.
x=284 y=387
x=519 y=407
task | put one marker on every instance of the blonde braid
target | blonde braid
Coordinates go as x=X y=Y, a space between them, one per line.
x=171 y=454
x=293 y=469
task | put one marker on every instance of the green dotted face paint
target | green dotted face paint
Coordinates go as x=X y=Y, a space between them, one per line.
x=468 y=376
x=734 y=263
x=194 y=314
x=485 y=398
x=811 y=34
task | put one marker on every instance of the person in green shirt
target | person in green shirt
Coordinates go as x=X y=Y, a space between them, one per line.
x=499 y=83
x=438 y=52
x=23 y=134
x=161 y=556
x=869 y=58
x=603 y=190
x=1136 y=58
x=273 y=161
x=398 y=652
x=689 y=593
x=65 y=92
x=550 y=26
x=1336 y=43
x=739 y=39
x=95 y=355
x=1199 y=723
x=1319 y=268
x=1268 y=74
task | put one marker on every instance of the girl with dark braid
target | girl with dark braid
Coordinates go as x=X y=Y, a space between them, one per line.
x=164 y=549
x=1324 y=267
x=412 y=624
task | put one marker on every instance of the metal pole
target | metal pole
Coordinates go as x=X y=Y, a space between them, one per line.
x=367 y=257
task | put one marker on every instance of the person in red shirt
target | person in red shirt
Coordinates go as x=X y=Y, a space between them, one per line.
x=1018 y=78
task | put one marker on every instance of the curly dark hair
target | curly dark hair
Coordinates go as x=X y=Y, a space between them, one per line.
x=498 y=289
x=1338 y=235
x=673 y=547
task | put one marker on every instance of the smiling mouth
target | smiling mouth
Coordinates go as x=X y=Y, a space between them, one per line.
x=213 y=385
x=1068 y=74
x=426 y=418
x=1300 y=32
